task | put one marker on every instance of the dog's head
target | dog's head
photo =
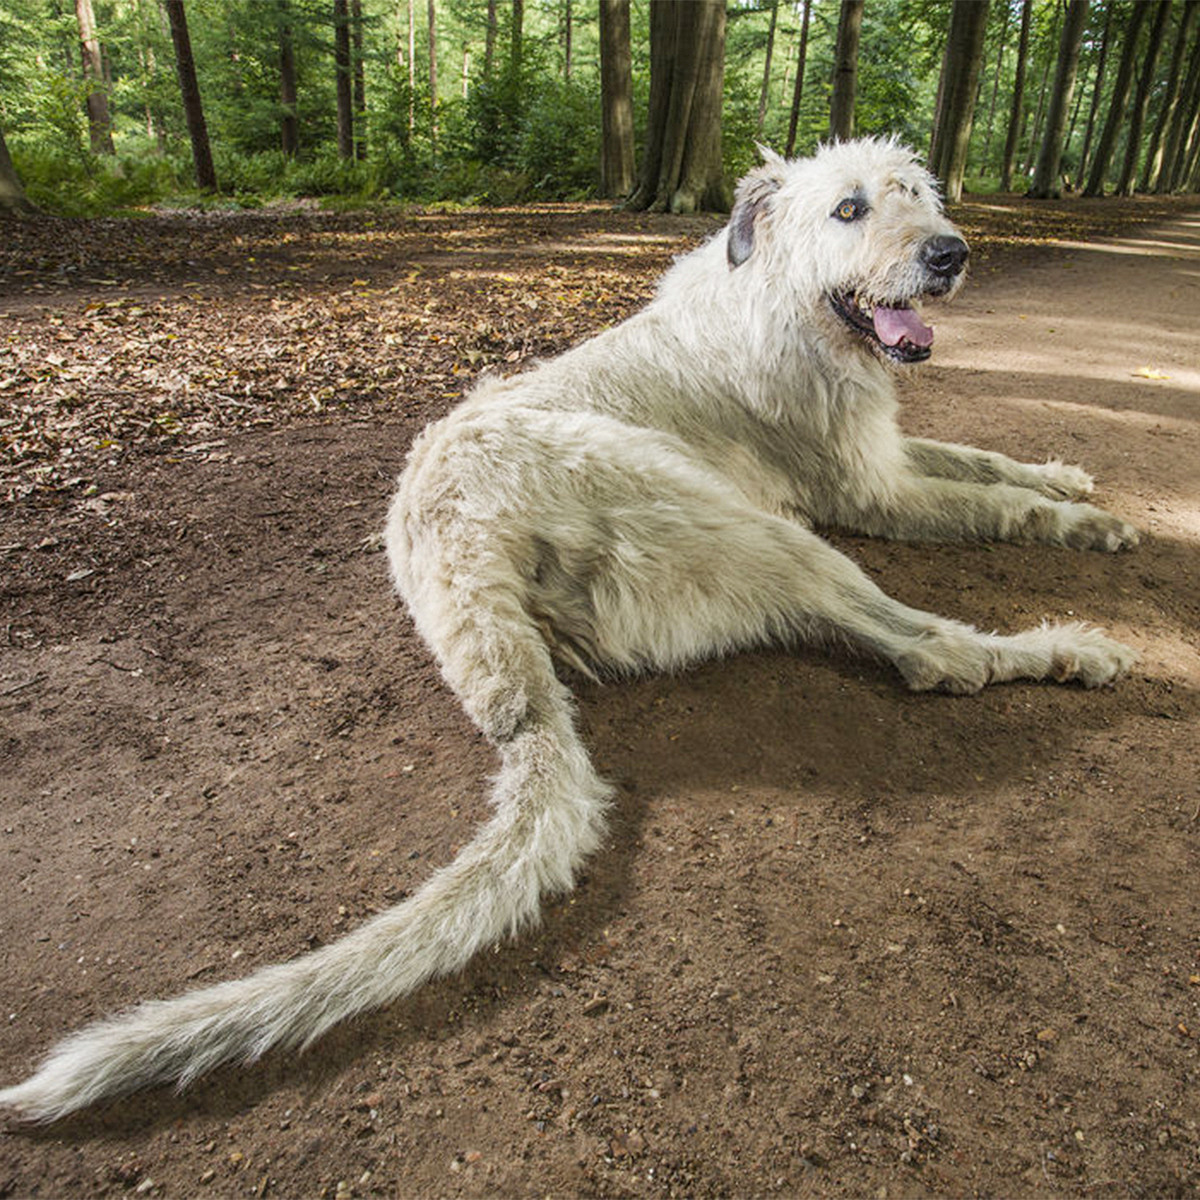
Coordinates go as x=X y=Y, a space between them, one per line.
x=856 y=237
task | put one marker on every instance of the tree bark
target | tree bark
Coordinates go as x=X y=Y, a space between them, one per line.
x=341 y=61
x=845 y=70
x=12 y=193
x=681 y=166
x=289 y=124
x=189 y=90
x=1018 y=104
x=765 y=93
x=798 y=91
x=960 y=85
x=99 y=120
x=616 y=100
x=1154 y=152
x=1097 y=92
x=1118 y=101
x=1045 y=173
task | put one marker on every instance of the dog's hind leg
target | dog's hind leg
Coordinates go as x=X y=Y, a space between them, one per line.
x=694 y=579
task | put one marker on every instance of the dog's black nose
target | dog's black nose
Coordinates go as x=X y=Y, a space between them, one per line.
x=945 y=255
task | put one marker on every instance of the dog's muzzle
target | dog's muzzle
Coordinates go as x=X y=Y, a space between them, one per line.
x=890 y=325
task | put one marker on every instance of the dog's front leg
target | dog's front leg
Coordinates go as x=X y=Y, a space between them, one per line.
x=944 y=460
x=929 y=509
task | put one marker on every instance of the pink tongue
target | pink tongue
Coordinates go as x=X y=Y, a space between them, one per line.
x=893 y=325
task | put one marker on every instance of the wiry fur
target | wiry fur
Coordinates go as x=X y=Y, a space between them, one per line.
x=644 y=501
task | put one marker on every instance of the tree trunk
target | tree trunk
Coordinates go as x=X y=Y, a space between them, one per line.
x=189 y=89
x=1097 y=92
x=412 y=69
x=433 y=91
x=99 y=121
x=681 y=166
x=616 y=100
x=1141 y=100
x=991 y=125
x=1045 y=174
x=764 y=94
x=960 y=85
x=568 y=22
x=845 y=70
x=1177 y=137
x=12 y=194
x=341 y=60
x=798 y=91
x=1117 y=102
x=466 y=71
x=517 y=45
x=289 y=125
x=1035 y=139
x=1170 y=102
x=360 y=81
x=1018 y=104
x=489 y=46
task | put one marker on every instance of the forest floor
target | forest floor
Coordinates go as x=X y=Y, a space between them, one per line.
x=844 y=941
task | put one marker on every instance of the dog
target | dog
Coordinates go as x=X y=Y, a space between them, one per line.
x=644 y=501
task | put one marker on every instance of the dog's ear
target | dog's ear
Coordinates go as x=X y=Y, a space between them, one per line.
x=753 y=195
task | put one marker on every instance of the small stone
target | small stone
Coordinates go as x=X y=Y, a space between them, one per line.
x=1047 y=1035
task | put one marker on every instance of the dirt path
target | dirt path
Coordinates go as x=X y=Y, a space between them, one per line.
x=845 y=941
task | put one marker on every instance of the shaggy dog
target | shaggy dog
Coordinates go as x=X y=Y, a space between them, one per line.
x=644 y=501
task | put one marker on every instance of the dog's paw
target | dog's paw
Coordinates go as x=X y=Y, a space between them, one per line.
x=1062 y=481
x=1087 y=528
x=1087 y=656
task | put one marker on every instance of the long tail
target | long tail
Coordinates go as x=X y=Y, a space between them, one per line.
x=550 y=809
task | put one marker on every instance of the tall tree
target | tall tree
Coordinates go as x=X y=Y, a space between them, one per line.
x=568 y=38
x=433 y=87
x=1003 y=45
x=616 y=100
x=1137 y=115
x=681 y=164
x=189 y=90
x=1182 y=123
x=1018 y=101
x=516 y=47
x=12 y=193
x=845 y=70
x=1170 y=102
x=1117 y=101
x=489 y=46
x=360 y=80
x=1045 y=173
x=765 y=92
x=345 y=90
x=99 y=120
x=798 y=89
x=289 y=123
x=958 y=91
x=1097 y=92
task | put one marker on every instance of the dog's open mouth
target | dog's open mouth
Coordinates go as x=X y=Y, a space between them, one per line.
x=895 y=330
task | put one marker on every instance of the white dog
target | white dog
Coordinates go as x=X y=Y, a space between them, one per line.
x=645 y=501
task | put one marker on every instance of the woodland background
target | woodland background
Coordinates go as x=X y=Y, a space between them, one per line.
x=117 y=104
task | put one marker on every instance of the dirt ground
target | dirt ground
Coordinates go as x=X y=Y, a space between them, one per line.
x=845 y=941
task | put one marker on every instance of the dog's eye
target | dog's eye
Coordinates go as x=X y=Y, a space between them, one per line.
x=850 y=209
